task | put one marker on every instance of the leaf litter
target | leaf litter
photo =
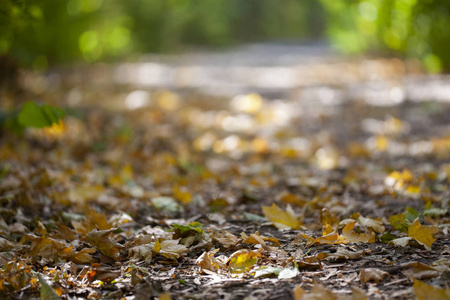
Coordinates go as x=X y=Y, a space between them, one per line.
x=228 y=199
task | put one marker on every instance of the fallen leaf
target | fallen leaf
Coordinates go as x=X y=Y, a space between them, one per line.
x=107 y=246
x=282 y=219
x=375 y=225
x=207 y=261
x=142 y=252
x=226 y=239
x=47 y=292
x=424 y=235
x=242 y=260
x=425 y=291
x=401 y=242
x=84 y=256
x=288 y=273
x=372 y=274
x=164 y=296
x=354 y=237
x=170 y=248
x=399 y=222
x=298 y=292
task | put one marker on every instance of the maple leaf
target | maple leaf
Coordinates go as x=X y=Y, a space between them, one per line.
x=170 y=248
x=107 y=246
x=282 y=219
x=424 y=235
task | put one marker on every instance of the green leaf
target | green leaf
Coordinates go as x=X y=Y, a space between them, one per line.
x=47 y=292
x=387 y=237
x=399 y=222
x=33 y=115
x=195 y=226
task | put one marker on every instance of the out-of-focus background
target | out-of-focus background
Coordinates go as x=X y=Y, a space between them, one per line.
x=43 y=33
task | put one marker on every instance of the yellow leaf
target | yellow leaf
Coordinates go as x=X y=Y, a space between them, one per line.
x=281 y=219
x=181 y=193
x=381 y=143
x=355 y=237
x=298 y=292
x=422 y=234
x=242 y=260
x=425 y=291
x=165 y=296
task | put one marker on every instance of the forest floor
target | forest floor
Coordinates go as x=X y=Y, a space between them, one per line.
x=182 y=196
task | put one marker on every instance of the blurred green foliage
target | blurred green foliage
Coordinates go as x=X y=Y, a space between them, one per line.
x=45 y=32
x=412 y=28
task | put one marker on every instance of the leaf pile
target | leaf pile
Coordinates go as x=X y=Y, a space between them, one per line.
x=248 y=197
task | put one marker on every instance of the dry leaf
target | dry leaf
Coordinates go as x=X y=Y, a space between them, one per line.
x=372 y=274
x=207 y=261
x=298 y=292
x=427 y=292
x=142 y=252
x=282 y=219
x=84 y=256
x=401 y=242
x=107 y=246
x=354 y=237
x=226 y=239
x=424 y=235
x=375 y=225
x=170 y=248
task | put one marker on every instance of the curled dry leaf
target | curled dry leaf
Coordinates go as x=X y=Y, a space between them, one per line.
x=354 y=237
x=207 y=261
x=107 y=246
x=400 y=242
x=144 y=252
x=226 y=239
x=372 y=274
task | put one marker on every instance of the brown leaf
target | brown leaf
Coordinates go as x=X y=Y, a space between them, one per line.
x=107 y=246
x=372 y=274
x=353 y=237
